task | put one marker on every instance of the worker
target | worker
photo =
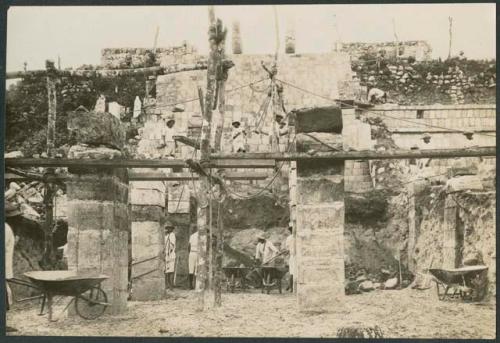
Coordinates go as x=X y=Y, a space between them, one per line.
x=169 y=255
x=376 y=95
x=11 y=210
x=238 y=136
x=265 y=250
x=290 y=248
x=168 y=141
x=193 y=257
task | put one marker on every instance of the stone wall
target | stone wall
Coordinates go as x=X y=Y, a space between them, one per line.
x=122 y=58
x=419 y=50
x=430 y=82
x=408 y=124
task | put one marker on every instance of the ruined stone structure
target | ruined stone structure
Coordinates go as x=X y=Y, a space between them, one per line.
x=420 y=50
x=319 y=236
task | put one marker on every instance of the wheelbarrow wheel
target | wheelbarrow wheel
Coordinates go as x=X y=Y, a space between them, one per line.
x=91 y=304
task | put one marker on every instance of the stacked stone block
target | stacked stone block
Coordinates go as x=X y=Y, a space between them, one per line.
x=98 y=225
x=320 y=235
x=147 y=202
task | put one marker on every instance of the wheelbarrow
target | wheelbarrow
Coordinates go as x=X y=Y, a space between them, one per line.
x=271 y=277
x=89 y=299
x=461 y=283
x=236 y=277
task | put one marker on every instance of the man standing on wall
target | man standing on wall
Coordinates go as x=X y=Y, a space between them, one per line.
x=193 y=257
x=169 y=256
x=238 y=135
x=168 y=138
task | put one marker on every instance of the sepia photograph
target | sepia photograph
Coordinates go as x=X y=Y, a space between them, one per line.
x=258 y=171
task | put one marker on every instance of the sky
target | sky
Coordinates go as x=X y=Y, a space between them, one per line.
x=77 y=34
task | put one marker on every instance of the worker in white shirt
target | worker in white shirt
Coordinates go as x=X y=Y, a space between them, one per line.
x=170 y=256
x=168 y=138
x=265 y=250
x=238 y=136
x=11 y=210
x=290 y=248
x=193 y=258
x=376 y=95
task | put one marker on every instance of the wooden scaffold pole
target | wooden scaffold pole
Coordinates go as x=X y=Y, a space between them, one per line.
x=48 y=198
x=202 y=285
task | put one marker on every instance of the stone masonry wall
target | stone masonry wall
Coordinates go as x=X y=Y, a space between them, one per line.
x=408 y=124
x=147 y=201
x=429 y=82
x=420 y=50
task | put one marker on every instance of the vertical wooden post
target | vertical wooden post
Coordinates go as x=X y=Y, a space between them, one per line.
x=50 y=188
x=202 y=272
x=395 y=37
x=219 y=250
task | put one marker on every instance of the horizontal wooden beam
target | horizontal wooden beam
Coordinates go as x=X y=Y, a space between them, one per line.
x=160 y=176
x=158 y=70
x=145 y=176
x=143 y=163
x=360 y=155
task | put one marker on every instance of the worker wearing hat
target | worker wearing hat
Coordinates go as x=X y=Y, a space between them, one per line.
x=168 y=134
x=11 y=210
x=265 y=250
x=238 y=135
x=170 y=256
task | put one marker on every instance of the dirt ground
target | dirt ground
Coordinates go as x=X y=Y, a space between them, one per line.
x=400 y=314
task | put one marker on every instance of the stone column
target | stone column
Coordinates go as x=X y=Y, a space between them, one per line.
x=290 y=39
x=147 y=201
x=236 y=38
x=98 y=226
x=320 y=236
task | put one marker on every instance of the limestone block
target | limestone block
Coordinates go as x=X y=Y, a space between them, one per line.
x=98 y=153
x=90 y=249
x=320 y=189
x=96 y=128
x=321 y=270
x=144 y=235
x=144 y=213
x=139 y=196
x=90 y=215
x=322 y=245
x=465 y=182
x=98 y=188
x=320 y=217
x=319 y=119
x=178 y=206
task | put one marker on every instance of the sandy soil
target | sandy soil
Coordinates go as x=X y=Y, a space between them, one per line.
x=400 y=314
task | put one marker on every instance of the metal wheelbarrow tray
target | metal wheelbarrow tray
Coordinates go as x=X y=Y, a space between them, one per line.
x=85 y=289
x=235 y=275
x=459 y=280
x=271 y=277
